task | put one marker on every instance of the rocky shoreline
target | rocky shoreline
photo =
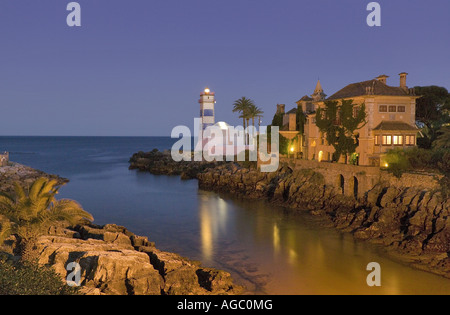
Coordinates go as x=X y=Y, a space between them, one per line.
x=410 y=221
x=16 y=172
x=113 y=260
x=161 y=163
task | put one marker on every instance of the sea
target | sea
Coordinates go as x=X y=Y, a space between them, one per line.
x=270 y=250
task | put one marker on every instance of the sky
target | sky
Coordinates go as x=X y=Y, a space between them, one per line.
x=137 y=67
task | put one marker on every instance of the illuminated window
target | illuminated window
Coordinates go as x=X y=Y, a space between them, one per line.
x=387 y=140
x=377 y=140
x=397 y=140
x=383 y=108
x=410 y=140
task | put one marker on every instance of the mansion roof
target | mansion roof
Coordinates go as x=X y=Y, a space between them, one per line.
x=371 y=87
x=305 y=98
x=394 y=125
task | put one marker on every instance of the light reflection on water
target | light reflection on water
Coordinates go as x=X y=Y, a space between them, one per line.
x=277 y=252
x=268 y=249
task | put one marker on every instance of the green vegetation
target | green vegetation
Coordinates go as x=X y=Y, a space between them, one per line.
x=29 y=213
x=248 y=110
x=436 y=160
x=338 y=122
x=432 y=112
x=31 y=279
x=284 y=143
x=300 y=120
x=433 y=151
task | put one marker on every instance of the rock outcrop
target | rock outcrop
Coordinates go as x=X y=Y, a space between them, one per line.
x=25 y=175
x=114 y=261
x=161 y=163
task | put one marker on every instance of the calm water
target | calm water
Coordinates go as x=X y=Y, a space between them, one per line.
x=265 y=248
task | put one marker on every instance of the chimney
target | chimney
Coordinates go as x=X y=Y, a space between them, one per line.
x=281 y=108
x=382 y=78
x=403 y=80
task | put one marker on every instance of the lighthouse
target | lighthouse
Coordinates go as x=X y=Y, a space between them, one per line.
x=207 y=115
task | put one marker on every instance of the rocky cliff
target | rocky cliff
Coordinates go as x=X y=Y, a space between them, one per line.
x=412 y=222
x=113 y=260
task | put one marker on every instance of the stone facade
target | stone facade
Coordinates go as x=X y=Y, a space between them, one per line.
x=390 y=110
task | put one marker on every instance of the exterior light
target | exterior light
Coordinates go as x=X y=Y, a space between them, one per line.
x=386 y=165
x=207 y=91
x=292 y=149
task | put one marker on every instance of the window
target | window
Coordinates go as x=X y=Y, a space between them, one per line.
x=383 y=108
x=356 y=111
x=387 y=140
x=208 y=112
x=410 y=140
x=392 y=109
x=401 y=109
x=377 y=140
x=322 y=138
x=338 y=121
x=397 y=140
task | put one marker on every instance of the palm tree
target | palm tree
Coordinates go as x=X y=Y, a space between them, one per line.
x=253 y=112
x=243 y=106
x=30 y=213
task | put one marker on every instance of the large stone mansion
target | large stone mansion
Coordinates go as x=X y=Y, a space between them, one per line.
x=391 y=113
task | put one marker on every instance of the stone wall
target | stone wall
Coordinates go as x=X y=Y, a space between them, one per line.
x=356 y=181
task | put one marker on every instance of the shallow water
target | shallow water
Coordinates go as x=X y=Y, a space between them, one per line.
x=268 y=249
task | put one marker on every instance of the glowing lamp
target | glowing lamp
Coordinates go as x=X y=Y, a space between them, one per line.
x=292 y=149
x=386 y=165
x=207 y=91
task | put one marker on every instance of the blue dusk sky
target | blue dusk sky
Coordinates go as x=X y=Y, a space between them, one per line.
x=137 y=67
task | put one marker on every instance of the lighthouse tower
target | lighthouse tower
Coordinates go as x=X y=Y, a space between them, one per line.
x=207 y=115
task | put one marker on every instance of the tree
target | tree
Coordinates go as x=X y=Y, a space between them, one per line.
x=339 y=121
x=243 y=106
x=300 y=120
x=443 y=139
x=431 y=112
x=30 y=213
x=253 y=112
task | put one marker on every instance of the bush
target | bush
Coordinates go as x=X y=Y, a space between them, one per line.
x=398 y=162
x=419 y=158
x=31 y=279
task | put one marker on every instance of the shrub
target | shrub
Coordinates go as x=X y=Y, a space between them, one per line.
x=398 y=162
x=31 y=279
x=419 y=158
